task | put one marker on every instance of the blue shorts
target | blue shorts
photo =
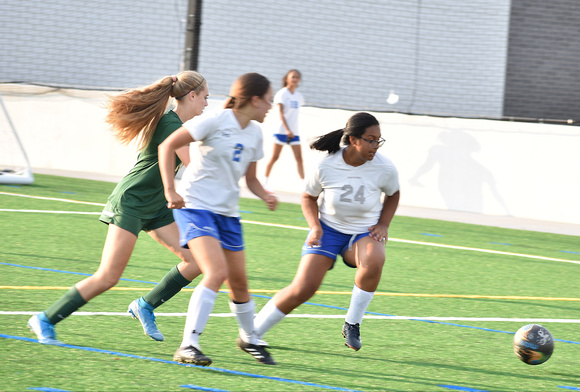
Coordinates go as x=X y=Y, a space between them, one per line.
x=194 y=223
x=333 y=243
x=284 y=139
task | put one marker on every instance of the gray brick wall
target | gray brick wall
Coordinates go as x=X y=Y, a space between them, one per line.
x=440 y=56
x=543 y=70
x=91 y=44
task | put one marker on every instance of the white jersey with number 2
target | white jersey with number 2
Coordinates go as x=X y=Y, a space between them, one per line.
x=210 y=181
x=351 y=196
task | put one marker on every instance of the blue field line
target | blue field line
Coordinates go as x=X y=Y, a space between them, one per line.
x=500 y=243
x=45 y=389
x=465 y=389
x=210 y=368
x=570 y=388
x=432 y=235
x=569 y=251
x=198 y=388
x=305 y=303
x=69 y=272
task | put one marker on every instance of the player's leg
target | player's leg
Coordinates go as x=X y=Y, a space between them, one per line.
x=209 y=255
x=244 y=307
x=297 y=150
x=276 y=150
x=177 y=278
x=368 y=256
x=116 y=253
x=308 y=278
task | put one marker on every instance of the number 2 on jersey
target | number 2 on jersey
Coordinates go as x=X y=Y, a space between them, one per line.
x=238 y=152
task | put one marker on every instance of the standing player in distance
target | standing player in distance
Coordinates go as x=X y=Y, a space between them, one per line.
x=289 y=102
x=207 y=212
x=138 y=203
x=351 y=222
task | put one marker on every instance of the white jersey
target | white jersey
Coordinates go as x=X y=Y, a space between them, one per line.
x=291 y=105
x=210 y=181
x=351 y=196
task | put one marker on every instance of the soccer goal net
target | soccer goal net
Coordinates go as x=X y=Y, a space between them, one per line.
x=14 y=164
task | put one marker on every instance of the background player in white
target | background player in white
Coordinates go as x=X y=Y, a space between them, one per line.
x=207 y=212
x=351 y=222
x=289 y=102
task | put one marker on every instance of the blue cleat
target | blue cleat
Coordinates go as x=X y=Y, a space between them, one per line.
x=143 y=312
x=43 y=329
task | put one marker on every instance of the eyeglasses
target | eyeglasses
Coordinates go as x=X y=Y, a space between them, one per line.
x=374 y=143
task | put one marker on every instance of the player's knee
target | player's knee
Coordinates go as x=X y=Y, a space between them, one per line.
x=373 y=267
x=105 y=282
x=302 y=293
x=216 y=278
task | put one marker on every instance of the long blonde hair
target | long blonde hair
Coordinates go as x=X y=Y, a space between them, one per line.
x=136 y=113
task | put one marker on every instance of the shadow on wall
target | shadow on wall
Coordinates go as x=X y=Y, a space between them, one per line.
x=461 y=179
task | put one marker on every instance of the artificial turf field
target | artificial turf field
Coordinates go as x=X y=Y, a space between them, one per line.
x=443 y=318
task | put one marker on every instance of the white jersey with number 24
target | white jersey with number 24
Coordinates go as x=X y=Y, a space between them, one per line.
x=351 y=196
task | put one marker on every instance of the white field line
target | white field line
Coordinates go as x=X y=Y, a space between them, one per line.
x=433 y=244
x=52 y=198
x=497 y=252
x=331 y=316
x=52 y=212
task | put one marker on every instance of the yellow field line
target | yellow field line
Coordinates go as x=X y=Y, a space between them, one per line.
x=258 y=291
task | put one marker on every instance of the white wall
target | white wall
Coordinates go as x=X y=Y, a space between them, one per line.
x=523 y=170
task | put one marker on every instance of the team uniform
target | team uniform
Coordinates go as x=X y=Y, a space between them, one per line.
x=138 y=202
x=209 y=185
x=291 y=103
x=351 y=199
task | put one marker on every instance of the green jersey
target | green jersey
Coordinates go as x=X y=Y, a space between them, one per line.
x=140 y=192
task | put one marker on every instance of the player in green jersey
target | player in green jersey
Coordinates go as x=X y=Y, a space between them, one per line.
x=138 y=202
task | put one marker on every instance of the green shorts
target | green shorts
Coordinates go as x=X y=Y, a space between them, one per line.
x=134 y=224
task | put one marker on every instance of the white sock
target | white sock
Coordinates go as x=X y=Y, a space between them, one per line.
x=245 y=316
x=359 y=301
x=200 y=307
x=269 y=316
x=266 y=179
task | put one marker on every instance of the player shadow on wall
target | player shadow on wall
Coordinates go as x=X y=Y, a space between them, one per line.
x=461 y=178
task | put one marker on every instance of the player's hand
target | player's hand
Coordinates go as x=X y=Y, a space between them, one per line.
x=314 y=236
x=271 y=201
x=379 y=232
x=174 y=200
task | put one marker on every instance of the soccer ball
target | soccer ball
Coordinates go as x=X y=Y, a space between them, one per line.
x=533 y=344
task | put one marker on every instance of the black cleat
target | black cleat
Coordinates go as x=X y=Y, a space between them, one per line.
x=192 y=355
x=352 y=334
x=258 y=352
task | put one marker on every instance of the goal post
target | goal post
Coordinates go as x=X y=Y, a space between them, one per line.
x=14 y=164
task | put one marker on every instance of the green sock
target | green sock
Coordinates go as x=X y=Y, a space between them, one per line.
x=171 y=284
x=66 y=305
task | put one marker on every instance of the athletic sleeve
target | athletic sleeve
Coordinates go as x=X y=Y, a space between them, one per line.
x=312 y=184
x=259 y=154
x=279 y=96
x=200 y=127
x=390 y=178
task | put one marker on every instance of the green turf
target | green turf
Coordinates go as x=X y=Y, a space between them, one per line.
x=110 y=353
